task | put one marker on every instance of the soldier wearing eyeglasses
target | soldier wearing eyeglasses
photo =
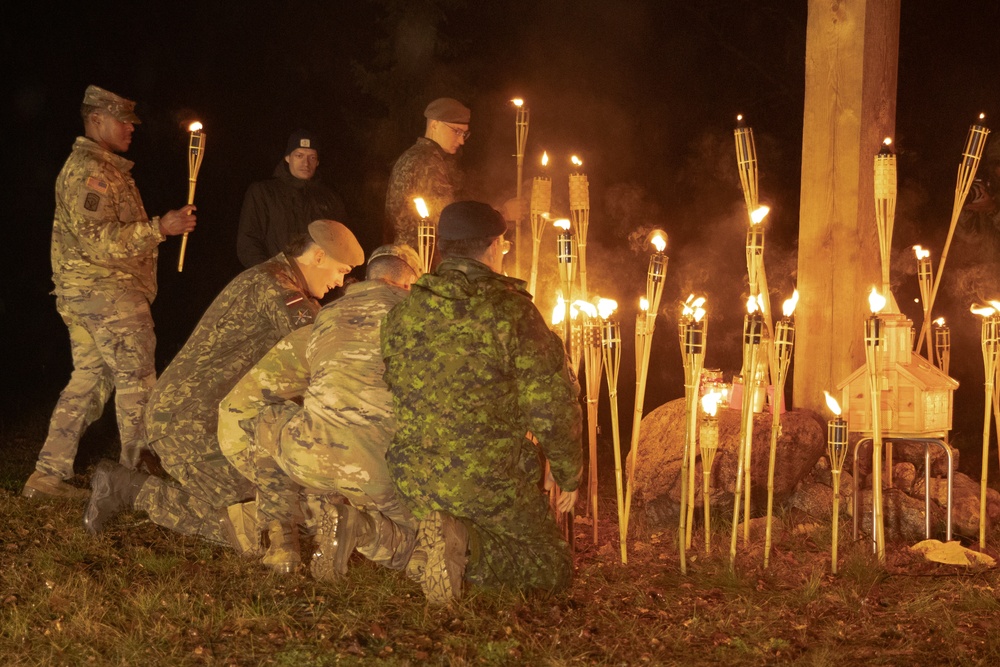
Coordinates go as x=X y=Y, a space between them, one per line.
x=427 y=169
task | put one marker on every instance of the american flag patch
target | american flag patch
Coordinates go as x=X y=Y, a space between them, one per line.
x=97 y=184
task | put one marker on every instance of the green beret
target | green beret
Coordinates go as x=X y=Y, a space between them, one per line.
x=463 y=220
x=448 y=110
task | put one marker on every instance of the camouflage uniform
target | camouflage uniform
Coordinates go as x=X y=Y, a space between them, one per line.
x=104 y=250
x=424 y=170
x=253 y=312
x=335 y=443
x=473 y=367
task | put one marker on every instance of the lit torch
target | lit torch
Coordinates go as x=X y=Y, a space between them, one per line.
x=611 y=345
x=521 y=137
x=874 y=360
x=692 y=331
x=709 y=445
x=885 y=205
x=566 y=256
x=836 y=442
x=426 y=234
x=592 y=350
x=991 y=349
x=925 y=278
x=541 y=202
x=942 y=344
x=784 y=341
x=196 y=151
x=579 y=209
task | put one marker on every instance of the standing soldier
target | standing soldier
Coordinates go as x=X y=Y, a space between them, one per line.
x=254 y=311
x=473 y=367
x=427 y=169
x=104 y=250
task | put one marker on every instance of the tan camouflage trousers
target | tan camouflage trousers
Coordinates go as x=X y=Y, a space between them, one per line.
x=191 y=503
x=314 y=457
x=113 y=346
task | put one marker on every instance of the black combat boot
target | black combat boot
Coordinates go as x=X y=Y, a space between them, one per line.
x=113 y=490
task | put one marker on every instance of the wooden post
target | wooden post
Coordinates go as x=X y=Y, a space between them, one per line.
x=852 y=50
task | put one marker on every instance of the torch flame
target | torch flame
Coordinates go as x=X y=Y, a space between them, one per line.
x=659 y=240
x=589 y=309
x=605 y=307
x=876 y=301
x=576 y=161
x=518 y=102
x=421 y=207
x=195 y=126
x=559 y=310
x=832 y=403
x=982 y=116
x=643 y=304
x=710 y=402
x=939 y=321
x=545 y=158
x=921 y=253
x=698 y=314
x=751 y=305
x=996 y=305
x=693 y=308
x=788 y=307
x=887 y=141
x=759 y=214
x=562 y=223
x=985 y=311
x=739 y=117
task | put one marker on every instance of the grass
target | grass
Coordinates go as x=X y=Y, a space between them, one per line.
x=139 y=595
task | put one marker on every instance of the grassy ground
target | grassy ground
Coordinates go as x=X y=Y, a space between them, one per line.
x=138 y=595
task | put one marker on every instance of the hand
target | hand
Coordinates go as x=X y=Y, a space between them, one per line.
x=567 y=500
x=177 y=222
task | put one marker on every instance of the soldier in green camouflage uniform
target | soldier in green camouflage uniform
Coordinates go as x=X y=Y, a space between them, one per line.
x=253 y=312
x=316 y=406
x=104 y=250
x=473 y=367
x=427 y=169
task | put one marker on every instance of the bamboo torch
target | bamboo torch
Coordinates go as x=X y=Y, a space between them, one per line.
x=541 y=202
x=692 y=333
x=925 y=278
x=566 y=256
x=974 y=144
x=579 y=209
x=885 y=206
x=753 y=334
x=655 y=275
x=196 y=151
x=875 y=363
x=521 y=137
x=942 y=344
x=709 y=444
x=836 y=442
x=593 y=359
x=611 y=346
x=426 y=235
x=784 y=341
x=991 y=350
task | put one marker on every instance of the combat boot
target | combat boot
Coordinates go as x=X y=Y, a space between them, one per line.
x=342 y=529
x=239 y=523
x=442 y=554
x=113 y=489
x=283 y=556
x=40 y=485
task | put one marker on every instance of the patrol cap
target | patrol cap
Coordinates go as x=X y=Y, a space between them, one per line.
x=301 y=139
x=463 y=220
x=448 y=110
x=337 y=241
x=400 y=251
x=119 y=107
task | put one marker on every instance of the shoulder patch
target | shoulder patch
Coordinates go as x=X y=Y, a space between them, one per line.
x=97 y=184
x=91 y=202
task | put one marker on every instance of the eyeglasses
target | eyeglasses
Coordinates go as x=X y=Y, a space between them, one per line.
x=459 y=132
x=505 y=246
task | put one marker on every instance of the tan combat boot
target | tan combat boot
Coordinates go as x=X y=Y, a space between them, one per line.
x=440 y=557
x=342 y=529
x=40 y=485
x=239 y=523
x=283 y=556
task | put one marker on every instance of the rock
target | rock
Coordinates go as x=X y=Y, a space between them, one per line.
x=657 y=476
x=964 y=503
x=903 y=516
x=905 y=451
x=815 y=500
x=903 y=475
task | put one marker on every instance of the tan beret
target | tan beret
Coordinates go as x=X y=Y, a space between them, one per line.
x=448 y=110
x=117 y=106
x=337 y=241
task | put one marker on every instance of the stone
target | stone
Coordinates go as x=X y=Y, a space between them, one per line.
x=903 y=475
x=903 y=516
x=964 y=503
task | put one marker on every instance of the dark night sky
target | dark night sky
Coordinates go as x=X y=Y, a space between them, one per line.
x=645 y=91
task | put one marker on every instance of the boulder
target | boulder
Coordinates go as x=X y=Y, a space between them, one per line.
x=964 y=502
x=903 y=475
x=903 y=516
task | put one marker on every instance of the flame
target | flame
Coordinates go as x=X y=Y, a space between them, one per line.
x=518 y=102
x=887 y=141
x=982 y=116
x=545 y=158
x=699 y=313
x=832 y=403
x=996 y=305
x=921 y=253
x=421 y=207
x=693 y=308
x=739 y=117
x=939 y=321
x=562 y=223
x=876 y=301
x=759 y=214
x=985 y=311
x=576 y=161
x=751 y=305
x=195 y=126
x=659 y=240
x=605 y=307
x=559 y=310
x=643 y=304
x=788 y=307
x=588 y=309
x=710 y=402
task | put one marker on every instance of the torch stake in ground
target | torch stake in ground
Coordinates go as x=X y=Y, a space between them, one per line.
x=692 y=331
x=875 y=363
x=942 y=344
x=593 y=360
x=579 y=209
x=991 y=350
x=611 y=345
x=753 y=334
x=196 y=152
x=709 y=445
x=566 y=256
x=784 y=342
x=541 y=202
x=521 y=116
x=836 y=442
x=925 y=279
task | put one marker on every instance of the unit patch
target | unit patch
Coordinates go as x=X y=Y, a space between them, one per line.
x=91 y=202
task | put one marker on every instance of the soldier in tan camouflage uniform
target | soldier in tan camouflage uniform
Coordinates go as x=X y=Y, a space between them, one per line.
x=253 y=312
x=104 y=250
x=473 y=368
x=427 y=169
x=316 y=407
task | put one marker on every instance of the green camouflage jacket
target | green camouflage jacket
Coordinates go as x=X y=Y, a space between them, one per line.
x=101 y=235
x=254 y=311
x=472 y=368
x=424 y=170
